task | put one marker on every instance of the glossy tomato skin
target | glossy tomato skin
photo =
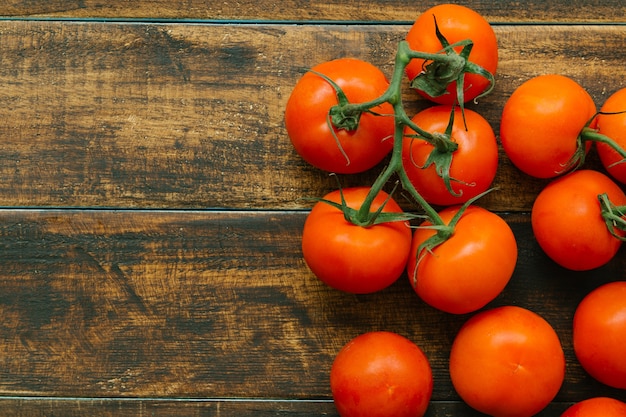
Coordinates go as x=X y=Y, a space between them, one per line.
x=352 y=258
x=541 y=122
x=381 y=374
x=599 y=334
x=456 y=23
x=307 y=122
x=474 y=163
x=468 y=270
x=597 y=407
x=507 y=362
x=567 y=222
x=613 y=126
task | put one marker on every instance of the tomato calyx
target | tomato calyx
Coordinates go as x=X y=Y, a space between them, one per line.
x=364 y=216
x=443 y=231
x=614 y=216
x=345 y=115
x=368 y=218
x=439 y=73
x=341 y=116
x=441 y=155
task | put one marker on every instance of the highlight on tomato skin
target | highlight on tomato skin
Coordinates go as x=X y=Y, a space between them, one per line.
x=381 y=374
x=599 y=334
x=507 y=362
x=597 y=407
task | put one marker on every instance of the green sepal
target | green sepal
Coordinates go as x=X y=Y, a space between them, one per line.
x=442 y=154
x=438 y=75
x=444 y=232
x=340 y=116
x=376 y=217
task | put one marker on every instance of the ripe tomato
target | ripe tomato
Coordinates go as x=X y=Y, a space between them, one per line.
x=381 y=374
x=597 y=407
x=353 y=258
x=613 y=126
x=507 y=362
x=567 y=221
x=469 y=269
x=474 y=162
x=600 y=334
x=541 y=122
x=456 y=23
x=307 y=117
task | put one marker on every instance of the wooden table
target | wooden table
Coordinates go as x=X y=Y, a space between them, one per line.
x=150 y=223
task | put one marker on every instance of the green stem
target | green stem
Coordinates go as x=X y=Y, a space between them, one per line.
x=393 y=95
x=614 y=216
x=589 y=134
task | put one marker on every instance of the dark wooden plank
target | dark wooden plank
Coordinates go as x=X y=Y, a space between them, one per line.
x=191 y=116
x=219 y=305
x=34 y=407
x=397 y=10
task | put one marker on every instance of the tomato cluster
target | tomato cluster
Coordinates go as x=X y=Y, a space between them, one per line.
x=344 y=116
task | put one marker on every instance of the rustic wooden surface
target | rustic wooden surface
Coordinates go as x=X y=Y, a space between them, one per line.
x=150 y=215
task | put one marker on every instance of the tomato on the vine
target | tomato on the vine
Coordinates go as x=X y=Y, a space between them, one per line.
x=354 y=258
x=308 y=122
x=541 y=124
x=456 y=23
x=381 y=374
x=597 y=407
x=473 y=164
x=470 y=268
x=507 y=362
x=567 y=220
x=613 y=126
x=599 y=334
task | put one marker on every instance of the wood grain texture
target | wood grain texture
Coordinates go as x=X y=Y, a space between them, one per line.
x=35 y=407
x=191 y=116
x=298 y=10
x=150 y=219
x=152 y=304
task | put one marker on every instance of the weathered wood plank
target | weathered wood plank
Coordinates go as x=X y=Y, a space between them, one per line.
x=184 y=304
x=397 y=10
x=190 y=116
x=34 y=407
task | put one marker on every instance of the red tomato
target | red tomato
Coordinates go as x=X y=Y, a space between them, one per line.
x=381 y=374
x=541 y=122
x=456 y=23
x=353 y=258
x=474 y=162
x=469 y=269
x=507 y=362
x=613 y=126
x=600 y=334
x=307 y=117
x=567 y=221
x=597 y=407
